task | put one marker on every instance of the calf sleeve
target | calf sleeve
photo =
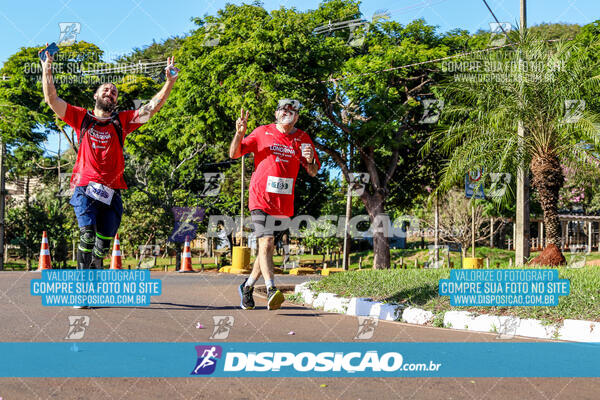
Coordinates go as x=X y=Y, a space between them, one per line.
x=86 y=244
x=101 y=247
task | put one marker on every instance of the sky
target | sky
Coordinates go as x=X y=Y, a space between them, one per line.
x=119 y=26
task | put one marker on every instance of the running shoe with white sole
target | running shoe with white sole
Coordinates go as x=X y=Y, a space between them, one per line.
x=247 y=301
x=274 y=299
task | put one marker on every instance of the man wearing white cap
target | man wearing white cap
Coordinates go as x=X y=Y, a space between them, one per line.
x=279 y=150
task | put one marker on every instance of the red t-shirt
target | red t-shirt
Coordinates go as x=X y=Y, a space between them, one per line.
x=100 y=157
x=277 y=159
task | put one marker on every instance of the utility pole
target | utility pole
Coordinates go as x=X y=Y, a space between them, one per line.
x=2 y=200
x=58 y=168
x=522 y=220
x=242 y=204
x=346 y=257
x=346 y=226
x=472 y=229
x=436 y=224
x=523 y=15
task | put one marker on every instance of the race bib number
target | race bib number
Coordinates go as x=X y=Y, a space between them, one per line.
x=280 y=185
x=99 y=192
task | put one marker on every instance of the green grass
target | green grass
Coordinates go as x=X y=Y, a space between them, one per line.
x=208 y=262
x=419 y=287
x=294 y=297
x=405 y=257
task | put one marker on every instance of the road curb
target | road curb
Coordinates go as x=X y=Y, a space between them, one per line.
x=506 y=326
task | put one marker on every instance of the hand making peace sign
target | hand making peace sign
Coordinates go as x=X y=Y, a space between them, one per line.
x=242 y=122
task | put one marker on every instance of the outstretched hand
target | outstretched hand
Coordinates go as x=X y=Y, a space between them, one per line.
x=169 y=68
x=47 y=63
x=242 y=122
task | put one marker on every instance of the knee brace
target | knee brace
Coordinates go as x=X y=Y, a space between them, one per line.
x=86 y=244
x=101 y=247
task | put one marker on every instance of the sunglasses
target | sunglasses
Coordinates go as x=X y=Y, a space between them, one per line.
x=285 y=110
x=295 y=104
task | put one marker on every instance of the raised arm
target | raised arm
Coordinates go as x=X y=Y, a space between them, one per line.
x=312 y=169
x=154 y=105
x=235 y=148
x=58 y=105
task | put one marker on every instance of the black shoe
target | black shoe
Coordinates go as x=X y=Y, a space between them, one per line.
x=247 y=301
x=275 y=298
x=97 y=263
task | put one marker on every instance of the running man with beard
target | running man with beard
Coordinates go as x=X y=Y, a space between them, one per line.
x=279 y=150
x=97 y=176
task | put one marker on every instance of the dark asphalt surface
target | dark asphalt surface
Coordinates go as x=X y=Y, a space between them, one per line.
x=189 y=299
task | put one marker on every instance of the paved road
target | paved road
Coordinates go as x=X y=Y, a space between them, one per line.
x=191 y=298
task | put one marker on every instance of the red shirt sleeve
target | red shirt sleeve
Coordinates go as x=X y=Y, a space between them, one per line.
x=250 y=142
x=130 y=121
x=74 y=117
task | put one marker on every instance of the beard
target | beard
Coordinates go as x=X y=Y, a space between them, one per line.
x=286 y=119
x=106 y=106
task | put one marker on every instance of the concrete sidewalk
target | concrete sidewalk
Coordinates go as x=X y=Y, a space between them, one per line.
x=189 y=299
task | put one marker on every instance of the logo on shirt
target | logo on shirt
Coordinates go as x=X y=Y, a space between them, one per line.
x=96 y=146
x=99 y=139
x=282 y=150
x=102 y=136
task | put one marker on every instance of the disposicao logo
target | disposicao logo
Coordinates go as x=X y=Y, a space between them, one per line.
x=207 y=359
x=307 y=361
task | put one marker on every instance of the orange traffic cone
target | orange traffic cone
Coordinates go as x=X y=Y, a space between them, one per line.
x=186 y=257
x=44 y=254
x=115 y=262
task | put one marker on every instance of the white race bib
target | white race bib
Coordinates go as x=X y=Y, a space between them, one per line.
x=99 y=192
x=279 y=185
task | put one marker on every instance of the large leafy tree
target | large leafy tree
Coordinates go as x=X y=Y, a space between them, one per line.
x=252 y=64
x=371 y=119
x=535 y=81
x=23 y=164
x=24 y=87
x=27 y=120
x=366 y=123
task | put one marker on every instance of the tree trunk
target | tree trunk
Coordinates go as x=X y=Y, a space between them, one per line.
x=501 y=235
x=178 y=249
x=381 y=247
x=381 y=251
x=548 y=179
x=28 y=238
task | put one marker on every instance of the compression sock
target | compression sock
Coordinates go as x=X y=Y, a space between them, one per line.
x=86 y=244
x=100 y=251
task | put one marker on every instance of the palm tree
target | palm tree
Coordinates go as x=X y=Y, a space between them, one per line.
x=544 y=84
